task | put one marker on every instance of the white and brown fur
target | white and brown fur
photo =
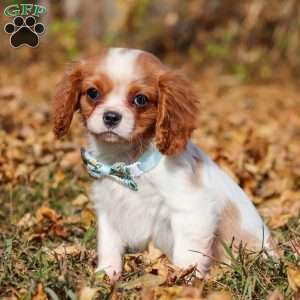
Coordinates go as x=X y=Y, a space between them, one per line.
x=187 y=204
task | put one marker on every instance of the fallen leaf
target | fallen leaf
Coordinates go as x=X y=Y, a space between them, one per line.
x=40 y=293
x=63 y=250
x=45 y=212
x=60 y=231
x=70 y=159
x=22 y=170
x=87 y=293
x=80 y=200
x=58 y=178
x=27 y=221
x=275 y=295
x=147 y=281
x=293 y=273
x=177 y=292
x=10 y=92
x=88 y=217
x=153 y=253
x=156 y=261
x=222 y=295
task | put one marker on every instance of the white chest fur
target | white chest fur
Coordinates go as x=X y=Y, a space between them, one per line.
x=137 y=216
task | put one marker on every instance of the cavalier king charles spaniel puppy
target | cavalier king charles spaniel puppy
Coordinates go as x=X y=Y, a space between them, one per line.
x=151 y=181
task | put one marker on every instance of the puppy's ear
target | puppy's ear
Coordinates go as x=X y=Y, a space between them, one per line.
x=177 y=113
x=66 y=99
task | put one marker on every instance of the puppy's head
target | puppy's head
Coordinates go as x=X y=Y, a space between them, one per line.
x=130 y=96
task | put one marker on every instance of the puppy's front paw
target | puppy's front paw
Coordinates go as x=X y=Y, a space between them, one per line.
x=113 y=272
x=186 y=259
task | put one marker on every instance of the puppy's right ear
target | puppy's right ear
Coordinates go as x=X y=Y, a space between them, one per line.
x=66 y=98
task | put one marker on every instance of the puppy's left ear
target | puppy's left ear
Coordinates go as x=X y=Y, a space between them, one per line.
x=177 y=113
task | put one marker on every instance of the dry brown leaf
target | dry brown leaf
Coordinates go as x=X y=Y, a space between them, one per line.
x=160 y=268
x=191 y=292
x=58 y=178
x=157 y=262
x=181 y=274
x=88 y=217
x=10 y=93
x=153 y=253
x=87 y=293
x=70 y=159
x=177 y=292
x=40 y=293
x=148 y=294
x=74 y=219
x=147 y=281
x=222 y=295
x=80 y=200
x=22 y=170
x=293 y=273
x=27 y=221
x=294 y=244
x=73 y=250
x=60 y=231
x=275 y=295
x=36 y=236
x=63 y=250
x=45 y=212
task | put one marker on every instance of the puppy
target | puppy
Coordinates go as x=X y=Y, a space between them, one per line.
x=152 y=182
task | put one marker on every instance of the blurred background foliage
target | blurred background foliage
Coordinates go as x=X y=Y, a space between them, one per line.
x=253 y=39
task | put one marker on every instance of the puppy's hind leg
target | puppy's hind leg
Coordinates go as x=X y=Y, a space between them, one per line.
x=194 y=235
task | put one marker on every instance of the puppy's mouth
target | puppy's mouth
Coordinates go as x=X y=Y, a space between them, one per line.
x=109 y=136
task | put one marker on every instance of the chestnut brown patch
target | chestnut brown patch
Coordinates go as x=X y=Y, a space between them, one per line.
x=145 y=117
x=230 y=231
x=103 y=84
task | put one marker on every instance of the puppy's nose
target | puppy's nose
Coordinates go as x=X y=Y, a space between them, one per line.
x=111 y=118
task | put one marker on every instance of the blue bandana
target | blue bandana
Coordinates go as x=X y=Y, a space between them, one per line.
x=119 y=171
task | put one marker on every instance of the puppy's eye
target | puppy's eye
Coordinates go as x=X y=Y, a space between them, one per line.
x=140 y=100
x=93 y=94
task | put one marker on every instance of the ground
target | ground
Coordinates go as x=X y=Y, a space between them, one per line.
x=47 y=223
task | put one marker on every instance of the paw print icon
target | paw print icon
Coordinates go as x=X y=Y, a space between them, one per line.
x=24 y=31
